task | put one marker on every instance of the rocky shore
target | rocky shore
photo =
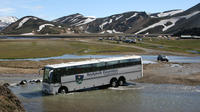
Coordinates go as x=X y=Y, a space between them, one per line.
x=9 y=102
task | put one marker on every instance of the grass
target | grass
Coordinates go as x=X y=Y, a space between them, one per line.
x=35 y=48
x=173 y=45
x=180 y=46
x=187 y=44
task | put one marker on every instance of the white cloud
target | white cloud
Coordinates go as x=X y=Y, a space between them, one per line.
x=33 y=8
x=37 y=7
x=7 y=10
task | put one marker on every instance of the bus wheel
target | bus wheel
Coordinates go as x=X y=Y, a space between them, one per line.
x=63 y=90
x=121 y=81
x=113 y=82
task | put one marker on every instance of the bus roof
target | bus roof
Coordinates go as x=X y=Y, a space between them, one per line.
x=91 y=61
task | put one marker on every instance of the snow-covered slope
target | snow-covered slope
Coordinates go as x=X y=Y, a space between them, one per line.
x=34 y=25
x=175 y=22
x=168 y=23
x=7 y=20
x=129 y=22
x=166 y=13
x=134 y=22
x=118 y=23
x=75 y=20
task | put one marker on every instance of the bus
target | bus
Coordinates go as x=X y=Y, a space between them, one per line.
x=74 y=76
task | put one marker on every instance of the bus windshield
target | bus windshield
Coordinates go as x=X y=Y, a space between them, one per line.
x=46 y=76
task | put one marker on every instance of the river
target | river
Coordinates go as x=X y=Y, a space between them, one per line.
x=132 y=98
x=146 y=58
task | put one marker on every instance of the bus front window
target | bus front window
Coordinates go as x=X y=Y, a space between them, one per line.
x=46 y=76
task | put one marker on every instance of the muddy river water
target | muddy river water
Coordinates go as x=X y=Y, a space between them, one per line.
x=132 y=98
x=146 y=58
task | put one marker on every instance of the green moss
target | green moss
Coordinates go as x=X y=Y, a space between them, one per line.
x=13 y=49
x=181 y=46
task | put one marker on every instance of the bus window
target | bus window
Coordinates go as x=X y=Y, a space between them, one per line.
x=135 y=61
x=111 y=64
x=101 y=66
x=46 y=76
x=56 y=75
x=85 y=68
x=56 y=78
x=124 y=63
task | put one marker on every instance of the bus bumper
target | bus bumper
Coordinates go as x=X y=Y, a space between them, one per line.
x=47 y=89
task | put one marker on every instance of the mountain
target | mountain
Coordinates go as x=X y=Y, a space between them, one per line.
x=174 y=23
x=117 y=23
x=134 y=22
x=166 y=13
x=33 y=25
x=5 y=21
x=74 y=20
x=171 y=21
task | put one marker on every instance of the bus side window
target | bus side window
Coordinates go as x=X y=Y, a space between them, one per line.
x=69 y=71
x=111 y=64
x=93 y=67
x=135 y=61
x=56 y=76
x=124 y=63
x=101 y=66
x=86 y=68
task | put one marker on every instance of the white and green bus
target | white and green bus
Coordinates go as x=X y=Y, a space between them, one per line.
x=73 y=76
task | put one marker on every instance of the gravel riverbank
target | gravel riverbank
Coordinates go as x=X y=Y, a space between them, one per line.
x=9 y=102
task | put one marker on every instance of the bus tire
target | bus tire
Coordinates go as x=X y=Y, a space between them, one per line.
x=63 y=90
x=113 y=82
x=121 y=81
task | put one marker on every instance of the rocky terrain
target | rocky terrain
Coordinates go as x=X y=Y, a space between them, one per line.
x=9 y=102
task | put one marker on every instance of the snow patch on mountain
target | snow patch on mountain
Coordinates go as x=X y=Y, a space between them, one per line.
x=110 y=21
x=172 y=21
x=114 y=31
x=8 y=19
x=44 y=25
x=106 y=22
x=28 y=34
x=134 y=15
x=103 y=24
x=118 y=17
x=86 y=21
x=110 y=31
x=23 y=21
x=169 y=13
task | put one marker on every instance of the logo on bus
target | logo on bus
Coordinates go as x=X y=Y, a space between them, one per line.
x=79 y=79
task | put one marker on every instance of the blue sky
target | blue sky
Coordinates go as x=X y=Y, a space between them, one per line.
x=52 y=9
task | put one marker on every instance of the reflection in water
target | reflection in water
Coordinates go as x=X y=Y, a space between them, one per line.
x=137 y=98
